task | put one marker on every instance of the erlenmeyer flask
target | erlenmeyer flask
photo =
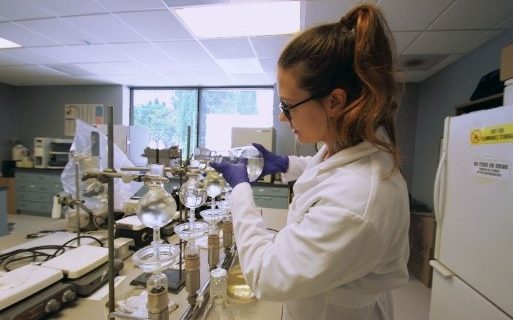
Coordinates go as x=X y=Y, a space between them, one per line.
x=218 y=307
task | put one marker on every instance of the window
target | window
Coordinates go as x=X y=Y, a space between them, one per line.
x=223 y=109
x=211 y=113
x=166 y=113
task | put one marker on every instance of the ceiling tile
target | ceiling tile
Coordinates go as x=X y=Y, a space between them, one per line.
x=69 y=69
x=23 y=36
x=165 y=68
x=29 y=56
x=319 y=12
x=250 y=79
x=442 y=42
x=69 y=7
x=184 y=50
x=215 y=79
x=62 y=54
x=131 y=5
x=269 y=65
x=479 y=41
x=404 y=39
x=506 y=24
x=105 y=27
x=412 y=15
x=142 y=51
x=36 y=70
x=22 y=9
x=269 y=46
x=131 y=68
x=201 y=66
x=182 y=3
x=160 y=25
x=444 y=63
x=233 y=66
x=229 y=48
x=96 y=68
x=420 y=62
x=474 y=14
x=98 y=53
x=10 y=61
x=58 y=30
x=182 y=80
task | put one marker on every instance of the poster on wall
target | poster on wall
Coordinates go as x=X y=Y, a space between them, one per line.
x=90 y=113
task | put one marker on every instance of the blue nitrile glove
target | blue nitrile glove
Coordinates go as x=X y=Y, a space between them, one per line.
x=232 y=173
x=272 y=163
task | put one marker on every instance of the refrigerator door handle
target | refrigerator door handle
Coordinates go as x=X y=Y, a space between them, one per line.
x=439 y=187
x=440 y=268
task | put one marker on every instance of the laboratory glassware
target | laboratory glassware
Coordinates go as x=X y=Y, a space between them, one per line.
x=156 y=209
x=249 y=155
x=192 y=194
x=218 y=307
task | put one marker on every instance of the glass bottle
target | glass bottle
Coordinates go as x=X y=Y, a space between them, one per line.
x=218 y=307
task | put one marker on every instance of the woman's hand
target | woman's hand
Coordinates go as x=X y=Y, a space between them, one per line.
x=272 y=163
x=232 y=173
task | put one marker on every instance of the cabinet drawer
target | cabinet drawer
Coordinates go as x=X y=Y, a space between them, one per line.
x=33 y=196
x=23 y=176
x=38 y=187
x=271 y=202
x=270 y=191
x=45 y=208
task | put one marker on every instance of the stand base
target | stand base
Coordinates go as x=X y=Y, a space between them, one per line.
x=174 y=283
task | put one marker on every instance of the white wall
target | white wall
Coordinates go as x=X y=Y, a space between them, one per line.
x=437 y=98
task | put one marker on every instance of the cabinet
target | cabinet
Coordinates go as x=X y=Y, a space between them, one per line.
x=35 y=190
x=271 y=196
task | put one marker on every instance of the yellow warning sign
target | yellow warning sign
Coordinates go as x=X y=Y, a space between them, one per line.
x=497 y=134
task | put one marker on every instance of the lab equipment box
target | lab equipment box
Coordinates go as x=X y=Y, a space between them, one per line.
x=507 y=62
x=422 y=244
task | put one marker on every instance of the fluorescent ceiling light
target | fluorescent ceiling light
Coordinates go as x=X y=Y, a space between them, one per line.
x=4 y=43
x=241 y=20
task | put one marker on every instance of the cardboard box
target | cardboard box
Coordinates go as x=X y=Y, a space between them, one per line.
x=422 y=243
x=11 y=193
x=507 y=62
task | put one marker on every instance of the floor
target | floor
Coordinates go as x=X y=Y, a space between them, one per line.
x=412 y=301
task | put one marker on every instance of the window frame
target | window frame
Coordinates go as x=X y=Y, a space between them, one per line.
x=199 y=90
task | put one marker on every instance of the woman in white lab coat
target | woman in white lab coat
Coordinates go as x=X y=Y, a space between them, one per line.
x=345 y=245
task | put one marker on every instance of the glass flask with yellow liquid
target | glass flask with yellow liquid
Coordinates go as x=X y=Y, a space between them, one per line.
x=238 y=289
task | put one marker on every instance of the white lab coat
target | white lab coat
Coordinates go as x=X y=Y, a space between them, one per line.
x=345 y=245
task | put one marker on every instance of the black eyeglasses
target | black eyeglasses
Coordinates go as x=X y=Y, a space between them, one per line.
x=286 y=108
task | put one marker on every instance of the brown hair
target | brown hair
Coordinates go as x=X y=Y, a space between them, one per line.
x=356 y=54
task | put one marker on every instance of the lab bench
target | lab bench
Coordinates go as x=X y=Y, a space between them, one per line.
x=89 y=308
x=35 y=189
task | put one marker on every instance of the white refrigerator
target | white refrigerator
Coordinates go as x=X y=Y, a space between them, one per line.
x=473 y=200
